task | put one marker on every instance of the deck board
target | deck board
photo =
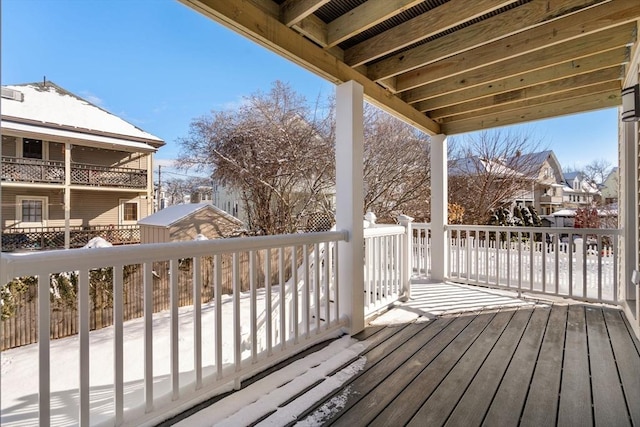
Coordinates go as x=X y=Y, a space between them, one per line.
x=534 y=365
x=541 y=406
x=371 y=403
x=609 y=407
x=409 y=399
x=473 y=405
x=443 y=400
x=575 y=389
x=627 y=360
x=509 y=400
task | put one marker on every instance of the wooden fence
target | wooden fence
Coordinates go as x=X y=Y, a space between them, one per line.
x=20 y=328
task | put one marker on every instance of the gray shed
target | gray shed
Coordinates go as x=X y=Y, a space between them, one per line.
x=186 y=221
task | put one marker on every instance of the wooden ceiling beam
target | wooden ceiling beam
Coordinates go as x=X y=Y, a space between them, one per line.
x=365 y=16
x=556 y=72
x=250 y=21
x=557 y=54
x=562 y=107
x=293 y=11
x=572 y=27
x=448 y=15
x=510 y=100
x=505 y=24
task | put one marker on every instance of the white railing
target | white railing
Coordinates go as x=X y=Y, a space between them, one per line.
x=421 y=249
x=575 y=263
x=243 y=333
x=384 y=279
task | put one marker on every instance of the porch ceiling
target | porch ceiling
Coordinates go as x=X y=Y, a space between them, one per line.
x=453 y=66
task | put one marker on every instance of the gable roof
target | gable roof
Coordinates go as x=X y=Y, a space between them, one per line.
x=477 y=165
x=47 y=109
x=172 y=214
x=535 y=161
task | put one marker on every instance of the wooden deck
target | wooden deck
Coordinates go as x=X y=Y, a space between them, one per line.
x=533 y=366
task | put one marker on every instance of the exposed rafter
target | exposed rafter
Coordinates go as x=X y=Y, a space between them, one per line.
x=452 y=65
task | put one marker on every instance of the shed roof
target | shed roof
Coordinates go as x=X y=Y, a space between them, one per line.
x=173 y=214
x=51 y=109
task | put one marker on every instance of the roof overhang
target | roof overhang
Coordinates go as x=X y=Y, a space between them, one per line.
x=78 y=138
x=452 y=66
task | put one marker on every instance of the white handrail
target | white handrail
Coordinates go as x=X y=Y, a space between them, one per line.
x=303 y=291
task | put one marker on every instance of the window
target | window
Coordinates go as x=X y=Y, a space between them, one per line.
x=32 y=148
x=32 y=211
x=129 y=212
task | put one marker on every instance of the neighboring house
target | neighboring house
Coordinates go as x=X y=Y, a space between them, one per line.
x=546 y=173
x=188 y=221
x=70 y=170
x=578 y=191
x=609 y=188
x=514 y=185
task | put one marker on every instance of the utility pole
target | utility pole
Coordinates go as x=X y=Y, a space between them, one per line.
x=160 y=187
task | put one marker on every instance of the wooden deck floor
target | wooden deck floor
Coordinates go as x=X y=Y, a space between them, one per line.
x=530 y=366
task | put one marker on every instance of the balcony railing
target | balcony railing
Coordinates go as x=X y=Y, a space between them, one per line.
x=104 y=176
x=291 y=303
x=32 y=170
x=53 y=172
x=46 y=238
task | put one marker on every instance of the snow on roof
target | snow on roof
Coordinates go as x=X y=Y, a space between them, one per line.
x=172 y=214
x=55 y=107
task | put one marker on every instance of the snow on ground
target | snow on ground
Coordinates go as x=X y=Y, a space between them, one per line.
x=19 y=367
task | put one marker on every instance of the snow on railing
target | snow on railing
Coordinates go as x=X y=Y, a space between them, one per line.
x=576 y=263
x=229 y=339
x=383 y=275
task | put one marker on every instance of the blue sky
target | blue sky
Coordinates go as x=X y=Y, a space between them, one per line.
x=158 y=65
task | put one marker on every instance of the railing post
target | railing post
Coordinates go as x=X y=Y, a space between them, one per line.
x=439 y=208
x=407 y=255
x=350 y=201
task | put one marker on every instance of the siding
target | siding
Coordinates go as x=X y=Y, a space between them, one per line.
x=98 y=156
x=9 y=146
x=205 y=222
x=56 y=151
x=100 y=207
x=153 y=234
x=56 y=211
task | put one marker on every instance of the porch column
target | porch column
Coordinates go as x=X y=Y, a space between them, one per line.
x=350 y=202
x=439 y=208
x=67 y=195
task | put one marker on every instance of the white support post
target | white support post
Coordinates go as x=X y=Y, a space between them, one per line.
x=629 y=177
x=407 y=255
x=439 y=208
x=350 y=201
x=67 y=195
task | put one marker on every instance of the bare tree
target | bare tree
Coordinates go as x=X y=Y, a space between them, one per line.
x=274 y=150
x=396 y=167
x=597 y=170
x=490 y=171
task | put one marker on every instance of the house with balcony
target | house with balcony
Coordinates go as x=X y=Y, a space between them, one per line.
x=579 y=192
x=546 y=173
x=70 y=170
x=446 y=67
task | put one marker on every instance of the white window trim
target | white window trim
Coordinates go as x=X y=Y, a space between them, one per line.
x=45 y=211
x=121 y=204
x=20 y=143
